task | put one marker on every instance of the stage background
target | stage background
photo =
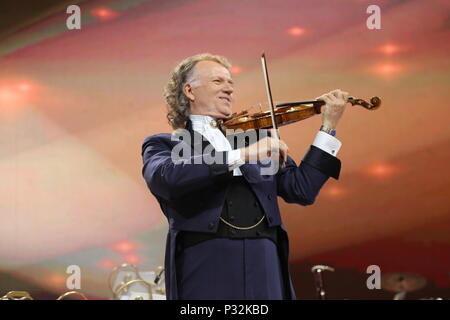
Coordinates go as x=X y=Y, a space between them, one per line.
x=75 y=106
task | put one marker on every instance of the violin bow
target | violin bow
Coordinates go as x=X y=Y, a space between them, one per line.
x=269 y=94
x=269 y=97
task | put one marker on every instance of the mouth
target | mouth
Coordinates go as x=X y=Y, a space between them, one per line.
x=226 y=99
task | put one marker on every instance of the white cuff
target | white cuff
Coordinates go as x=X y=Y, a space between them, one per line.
x=327 y=143
x=234 y=159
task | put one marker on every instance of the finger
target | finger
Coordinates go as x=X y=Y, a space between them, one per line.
x=335 y=100
x=345 y=95
x=284 y=154
x=342 y=95
x=283 y=151
x=327 y=99
x=322 y=96
x=274 y=146
x=284 y=146
x=336 y=93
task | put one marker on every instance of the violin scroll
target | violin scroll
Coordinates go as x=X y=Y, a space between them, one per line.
x=374 y=104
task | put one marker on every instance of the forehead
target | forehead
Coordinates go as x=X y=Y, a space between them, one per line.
x=210 y=69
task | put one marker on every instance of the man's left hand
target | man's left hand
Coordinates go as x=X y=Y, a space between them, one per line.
x=334 y=108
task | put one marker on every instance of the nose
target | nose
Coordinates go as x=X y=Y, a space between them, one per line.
x=228 y=89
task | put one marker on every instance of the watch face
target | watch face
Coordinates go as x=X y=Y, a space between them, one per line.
x=328 y=130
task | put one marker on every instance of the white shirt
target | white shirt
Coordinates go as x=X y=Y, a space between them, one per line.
x=201 y=124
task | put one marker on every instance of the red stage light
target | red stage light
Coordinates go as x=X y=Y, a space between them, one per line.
x=236 y=69
x=124 y=246
x=296 y=31
x=56 y=279
x=335 y=191
x=132 y=258
x=10 y=98
x=381 y=170
x=107 y=263
x=11 y=92
x=7 y=95
x=104 y=13
x=24 y=86
x=14 y=97
x=389 y=49
x=386 y=69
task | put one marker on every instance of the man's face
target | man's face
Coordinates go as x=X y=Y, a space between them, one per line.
x=211 y=90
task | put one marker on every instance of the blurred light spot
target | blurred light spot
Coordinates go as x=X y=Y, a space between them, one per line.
x=104 y=13
x=132 y=258
x=107 y=263
x=389 y=49
x=335 y=191
x=12 y=93
x=124 y=246
x=236 y=69
x=56 y=280
x=7 y=95
x=381 y=170
x=295 y=31
x=12 y=99
x=386 y=69
x=24 y=86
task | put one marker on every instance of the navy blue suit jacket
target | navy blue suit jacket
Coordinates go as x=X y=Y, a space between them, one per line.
x=192 y=195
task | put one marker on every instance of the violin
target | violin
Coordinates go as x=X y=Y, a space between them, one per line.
x=282 y=114
x=287 y=113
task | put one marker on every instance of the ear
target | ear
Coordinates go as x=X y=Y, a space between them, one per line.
x=187 y=89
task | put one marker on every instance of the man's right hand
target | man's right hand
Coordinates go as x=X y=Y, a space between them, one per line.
x=264 y=149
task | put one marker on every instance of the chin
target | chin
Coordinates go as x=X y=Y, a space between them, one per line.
x=224 y=114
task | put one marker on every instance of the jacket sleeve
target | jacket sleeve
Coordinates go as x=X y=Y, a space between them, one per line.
x=172 y=179
x=301 y=184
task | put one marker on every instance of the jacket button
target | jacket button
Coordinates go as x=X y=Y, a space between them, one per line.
x=211 y=225
x=232 y=218
x=270 y=219
x=233 y=232
x=255 y=203
x=269 y=196
x=258 y=233
x=230 y=203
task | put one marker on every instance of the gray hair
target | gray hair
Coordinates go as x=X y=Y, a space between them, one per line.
x=177 y=102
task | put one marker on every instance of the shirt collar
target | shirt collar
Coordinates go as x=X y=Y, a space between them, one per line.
x=201 y=117
x=199 y=120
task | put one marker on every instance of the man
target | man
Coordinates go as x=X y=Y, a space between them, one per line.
x=226 y=239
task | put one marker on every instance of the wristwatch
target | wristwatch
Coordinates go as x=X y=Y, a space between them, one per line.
x=328 y=130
